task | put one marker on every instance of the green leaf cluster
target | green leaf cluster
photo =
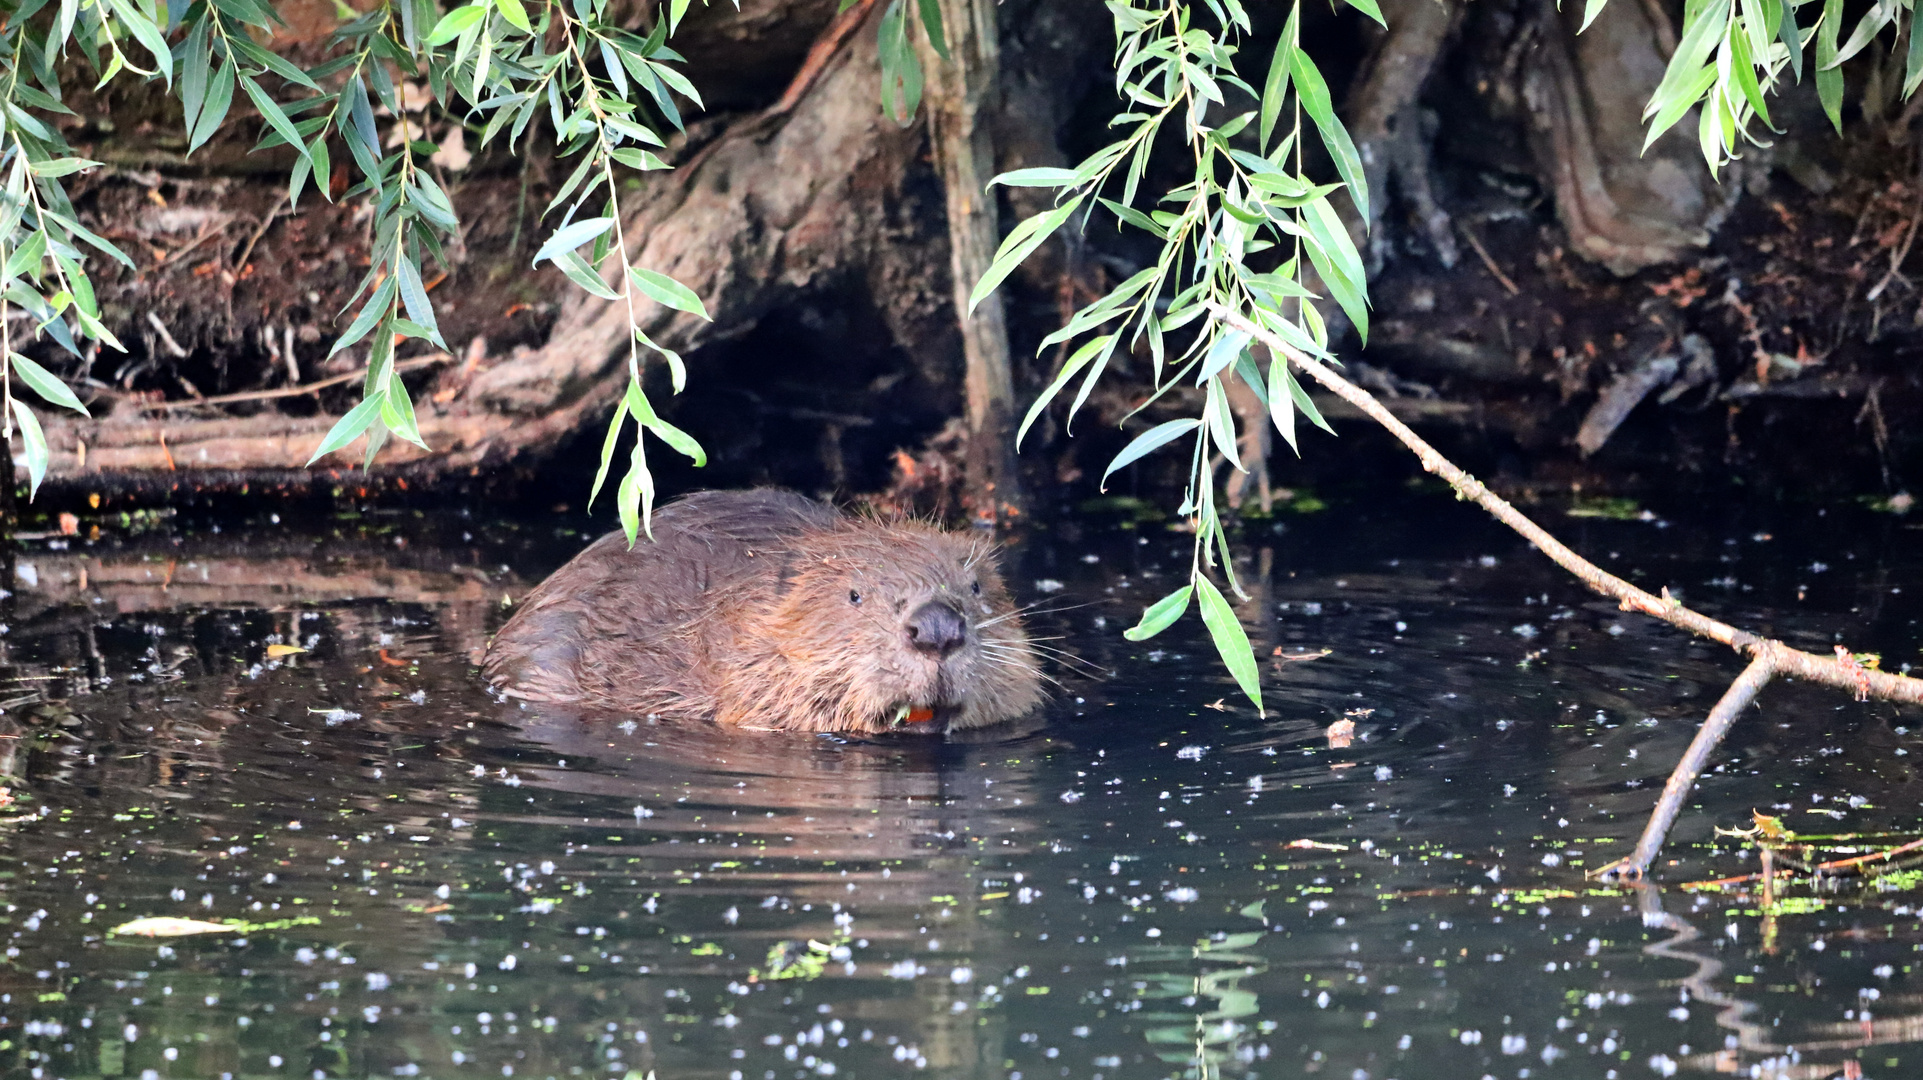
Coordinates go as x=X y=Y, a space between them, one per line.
x=492 y=66
x=1247 y=230
x=1733 y=54
x=901 y=74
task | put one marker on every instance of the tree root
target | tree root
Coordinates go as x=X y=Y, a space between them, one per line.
x=1768 y=657
x=1385 y=120
x=1623 y=206
x=770 y=206
x=805 y=198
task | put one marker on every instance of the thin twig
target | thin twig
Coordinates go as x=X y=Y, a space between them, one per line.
x=1875 y=856
x=167 y=339
x=823 y=50
x=293 y=391
x=206 y=234
x=1771 y=657
x=1835 y=864
x=1734 y=700
x=248 y=251
x=1902 y=252
x=1487 y=260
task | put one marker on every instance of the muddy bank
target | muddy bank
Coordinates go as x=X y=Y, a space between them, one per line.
x=1555 y=310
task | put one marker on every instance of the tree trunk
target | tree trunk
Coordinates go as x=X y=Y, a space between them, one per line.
x=960 y=101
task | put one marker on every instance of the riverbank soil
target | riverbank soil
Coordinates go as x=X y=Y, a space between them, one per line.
x=1551 y=305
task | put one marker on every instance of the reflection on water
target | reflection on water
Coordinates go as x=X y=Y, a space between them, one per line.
x=427 y=882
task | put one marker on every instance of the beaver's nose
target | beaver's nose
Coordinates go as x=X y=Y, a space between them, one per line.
x=936 y=628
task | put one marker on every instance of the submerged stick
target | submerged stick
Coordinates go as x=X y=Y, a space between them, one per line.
x=1734 y=700
x=1769 y=657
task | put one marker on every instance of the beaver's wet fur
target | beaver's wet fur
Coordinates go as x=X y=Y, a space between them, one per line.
x=766 y=609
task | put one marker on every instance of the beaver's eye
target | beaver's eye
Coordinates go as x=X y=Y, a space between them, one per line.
x=854 y=597
x=976 y=588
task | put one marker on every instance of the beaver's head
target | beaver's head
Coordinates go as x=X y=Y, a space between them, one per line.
x=892 y=627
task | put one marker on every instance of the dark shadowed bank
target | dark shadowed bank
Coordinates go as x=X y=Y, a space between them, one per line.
x=1553 y=308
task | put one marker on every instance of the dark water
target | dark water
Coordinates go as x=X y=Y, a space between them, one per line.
x=439 y=885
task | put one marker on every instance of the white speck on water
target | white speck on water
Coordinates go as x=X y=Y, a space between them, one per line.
x=1049 y=585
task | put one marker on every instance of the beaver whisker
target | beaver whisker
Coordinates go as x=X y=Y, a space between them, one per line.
x=1039 y=642
x=1020 y=657
x=1036 y=608
x=1045 y=676
x=1023 y=610
x=1084 y=666
x=1040 y=645
x=1005 y=644
x=982 y=551
x=1011 y=663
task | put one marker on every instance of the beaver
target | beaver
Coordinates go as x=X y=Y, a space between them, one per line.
x=767 y=609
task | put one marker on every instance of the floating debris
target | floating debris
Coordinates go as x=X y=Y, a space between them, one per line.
x=168 y=926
